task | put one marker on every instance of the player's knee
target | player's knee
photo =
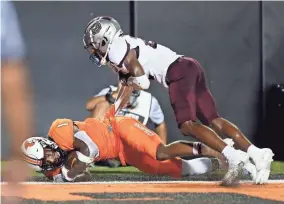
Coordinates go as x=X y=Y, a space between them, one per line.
x=186 y=128
x=162 y=153
x=217 y=122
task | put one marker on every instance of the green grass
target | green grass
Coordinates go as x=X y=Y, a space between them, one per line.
x=119 y=170
x=277 y=168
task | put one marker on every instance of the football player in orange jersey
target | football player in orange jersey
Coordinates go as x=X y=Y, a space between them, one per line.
x=115 y=137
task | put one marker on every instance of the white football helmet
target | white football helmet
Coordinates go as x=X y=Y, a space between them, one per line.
x=99 y=34
x=33 y=151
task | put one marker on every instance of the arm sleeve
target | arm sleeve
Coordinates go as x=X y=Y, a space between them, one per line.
x=119 y=49
x=103 y=92
x=12 y=45
x=156 y=113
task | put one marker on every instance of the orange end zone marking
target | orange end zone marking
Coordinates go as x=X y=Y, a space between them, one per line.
x=63 y=192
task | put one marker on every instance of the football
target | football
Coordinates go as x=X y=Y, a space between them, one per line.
x=71 y=160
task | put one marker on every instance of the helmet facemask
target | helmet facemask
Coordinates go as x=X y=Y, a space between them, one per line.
x=35 y=151
x=93 y=49
x=58 y=156
x=99 y=34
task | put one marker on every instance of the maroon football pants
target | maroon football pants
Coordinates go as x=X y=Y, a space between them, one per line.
x=189 y=95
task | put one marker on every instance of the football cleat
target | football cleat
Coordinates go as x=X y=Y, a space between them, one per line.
x=249 y=168
x=262 y=162
x=235 y=168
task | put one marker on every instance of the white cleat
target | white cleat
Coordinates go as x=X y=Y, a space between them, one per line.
x=232 y=176
x=249 y=168
x=262 y=162
x=229 y=141
x=235 y=169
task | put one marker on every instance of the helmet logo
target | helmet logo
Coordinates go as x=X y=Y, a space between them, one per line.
x=96 y=28
x=29 y=144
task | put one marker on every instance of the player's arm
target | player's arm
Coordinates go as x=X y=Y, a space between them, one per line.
x=157 y=117
x=93 y=102
x=83 y=160
x=100 y=110
x=125 y=59
x=161 y=130
x=104 y=95
x=17 y=96
x=138 y=78
x=123 y=97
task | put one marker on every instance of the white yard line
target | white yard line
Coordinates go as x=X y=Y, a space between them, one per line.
x=140 y=182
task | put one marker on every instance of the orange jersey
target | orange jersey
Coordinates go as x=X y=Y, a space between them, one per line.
x=61 y=131
x=111 y=136
x=118 y=137
x=100 y=132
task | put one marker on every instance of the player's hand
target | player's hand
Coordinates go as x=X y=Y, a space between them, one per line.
x=131 y=83
x=123 y=82
x=123 y=78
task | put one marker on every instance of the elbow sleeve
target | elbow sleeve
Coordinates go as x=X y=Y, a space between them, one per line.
x=142 y=81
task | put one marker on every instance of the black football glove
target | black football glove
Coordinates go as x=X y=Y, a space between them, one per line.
x=109 y=96
x=123 y=78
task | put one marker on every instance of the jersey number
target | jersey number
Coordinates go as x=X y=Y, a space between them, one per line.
x=63 y=124
x=151 y=44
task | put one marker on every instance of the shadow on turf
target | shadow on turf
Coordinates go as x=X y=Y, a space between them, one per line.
x=196 y=198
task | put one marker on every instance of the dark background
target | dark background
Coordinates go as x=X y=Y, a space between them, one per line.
x=240 y=45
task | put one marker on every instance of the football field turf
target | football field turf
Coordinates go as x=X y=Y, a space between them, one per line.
x=128 y=185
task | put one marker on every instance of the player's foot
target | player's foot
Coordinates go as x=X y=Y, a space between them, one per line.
x=237 y=159
x=249 y=168
x=262 y=160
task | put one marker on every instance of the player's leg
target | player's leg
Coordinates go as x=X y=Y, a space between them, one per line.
x=207 y=113
x=174 y=167
x=135 y=135
x=184 y=148
x=182 y=79
x=261 y=157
